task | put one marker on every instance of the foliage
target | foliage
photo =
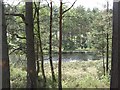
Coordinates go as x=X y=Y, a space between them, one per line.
x=75 y=75
x=82 y=29
x=18 y=77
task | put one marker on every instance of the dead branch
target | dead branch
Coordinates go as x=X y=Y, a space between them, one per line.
x=69 y=7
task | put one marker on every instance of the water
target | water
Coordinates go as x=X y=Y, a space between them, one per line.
x=68 y=57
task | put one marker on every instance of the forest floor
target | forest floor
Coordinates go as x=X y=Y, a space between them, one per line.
x=79 y=74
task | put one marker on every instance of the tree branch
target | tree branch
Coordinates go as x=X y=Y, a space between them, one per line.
x=35 y=11
x=69 y=7
x=19 y=36
x=20 y=15
x=14 y=50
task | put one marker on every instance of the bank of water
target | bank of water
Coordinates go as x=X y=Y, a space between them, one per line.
x=66 y=57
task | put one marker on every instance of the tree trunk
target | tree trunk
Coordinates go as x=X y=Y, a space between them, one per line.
x=60 y=51
x=107 y=54
x=31 y=65
x=50 y=47
x=103 y=53
x=115 y=65
x=107 y=47
x=5 y=57
x=41 y=51
x=103 y=62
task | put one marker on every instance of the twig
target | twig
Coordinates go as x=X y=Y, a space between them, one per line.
x=14 y=50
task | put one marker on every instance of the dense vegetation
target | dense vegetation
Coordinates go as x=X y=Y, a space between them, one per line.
x=82 y=29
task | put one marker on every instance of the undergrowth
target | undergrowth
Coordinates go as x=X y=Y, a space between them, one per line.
x=83 y=74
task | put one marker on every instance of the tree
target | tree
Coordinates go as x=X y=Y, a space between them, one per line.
x=60 y=47
x=61 y=12
x=31 y=65
x=5 y=56
x=115 y=64
x=40 y=43
x=107 y=39
x=50 y=46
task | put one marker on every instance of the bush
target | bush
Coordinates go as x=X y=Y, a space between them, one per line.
x=18 y=78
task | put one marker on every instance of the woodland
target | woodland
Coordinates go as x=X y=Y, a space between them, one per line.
x=56 y=46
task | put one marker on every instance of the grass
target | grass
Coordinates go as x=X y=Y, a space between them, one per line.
x=83 y=74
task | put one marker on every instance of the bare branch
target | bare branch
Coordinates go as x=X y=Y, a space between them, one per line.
x=69 y=7
x=19 y=36
x=14 y=50
x=20 y=15
x=35 y=10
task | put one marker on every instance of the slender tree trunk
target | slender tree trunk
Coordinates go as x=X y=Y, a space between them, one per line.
x=107 y=54
x=41 y=51
x=103 y=62
x=42 y=63
x=103 y=54
x=50 y=47
x=31 y=65
x=5 y=57
x=60 y=51
x=107 y=47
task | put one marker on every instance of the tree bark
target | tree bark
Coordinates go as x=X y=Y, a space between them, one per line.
x=107 y=54
x=60 y=51
x=115 y=65
x=31 y=65
x=5 y=57
x=107 y=47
